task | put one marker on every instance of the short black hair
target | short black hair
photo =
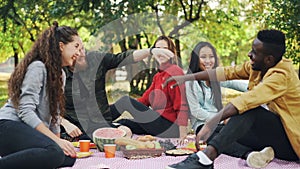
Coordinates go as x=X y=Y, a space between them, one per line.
x=273 y=43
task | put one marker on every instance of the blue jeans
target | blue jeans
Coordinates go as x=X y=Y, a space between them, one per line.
x=146 y=121
x=252 y=131
x=21 y=146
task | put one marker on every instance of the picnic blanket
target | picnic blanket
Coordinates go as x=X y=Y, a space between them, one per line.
x=98 y=161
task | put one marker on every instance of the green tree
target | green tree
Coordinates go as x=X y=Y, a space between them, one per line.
x=20 y=27
x=229 y=25
x=285 y=15
x=23 y=20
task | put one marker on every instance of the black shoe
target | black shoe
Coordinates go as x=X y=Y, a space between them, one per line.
x=191 y=162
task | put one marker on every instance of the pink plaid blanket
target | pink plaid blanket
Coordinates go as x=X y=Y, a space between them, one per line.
x=98 y=161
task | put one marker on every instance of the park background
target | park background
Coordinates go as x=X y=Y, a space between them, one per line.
x=119 y=25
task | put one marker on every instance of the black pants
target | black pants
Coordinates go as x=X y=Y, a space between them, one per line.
x=21 y=146
x=146 y=121
x=252 y=131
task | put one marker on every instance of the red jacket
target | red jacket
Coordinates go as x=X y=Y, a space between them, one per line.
x=169 y=103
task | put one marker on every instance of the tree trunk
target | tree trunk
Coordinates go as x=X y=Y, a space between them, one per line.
x=16 y=57
x=122 y=45
x=177 y=43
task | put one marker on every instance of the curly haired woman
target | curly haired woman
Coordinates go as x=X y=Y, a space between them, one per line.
x=29 y=121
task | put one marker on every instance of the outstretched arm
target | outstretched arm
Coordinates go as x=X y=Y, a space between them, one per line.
x=143 y=53
x=203 y=75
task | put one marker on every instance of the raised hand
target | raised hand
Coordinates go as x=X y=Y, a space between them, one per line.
x=160 y=52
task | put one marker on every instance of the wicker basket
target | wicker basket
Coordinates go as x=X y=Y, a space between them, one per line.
x=141 y=153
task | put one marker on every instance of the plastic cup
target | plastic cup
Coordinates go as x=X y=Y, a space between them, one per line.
x=110 y=150
x=84 y=145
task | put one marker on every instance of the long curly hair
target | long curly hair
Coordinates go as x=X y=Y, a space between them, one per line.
x=45 y=49
x=194 y=68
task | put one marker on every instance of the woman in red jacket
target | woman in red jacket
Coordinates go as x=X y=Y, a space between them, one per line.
x=160 y=111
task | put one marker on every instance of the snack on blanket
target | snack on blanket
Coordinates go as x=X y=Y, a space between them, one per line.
x=141 y=153
x=146 y=138
x=190 y=146
x=130 y=147
x=123 y=141
x=135 y=149
x=179 y=152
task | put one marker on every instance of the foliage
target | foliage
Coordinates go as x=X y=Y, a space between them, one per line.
x=285 y=15
x=130 y=24
x=222 y=25
x=22 y=21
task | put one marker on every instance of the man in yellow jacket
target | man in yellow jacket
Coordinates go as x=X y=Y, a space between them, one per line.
x=264 y=122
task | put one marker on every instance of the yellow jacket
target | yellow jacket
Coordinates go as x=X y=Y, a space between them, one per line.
x=279 y=89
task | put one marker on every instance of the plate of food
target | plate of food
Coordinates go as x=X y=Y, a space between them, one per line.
x=76 y=144
x=179 y=152
x=83 y=154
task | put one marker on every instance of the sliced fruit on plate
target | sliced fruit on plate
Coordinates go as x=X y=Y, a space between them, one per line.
x=75 y=144
x=191 y=149
x=190 y=146
x=83 y=154
x=178 y=152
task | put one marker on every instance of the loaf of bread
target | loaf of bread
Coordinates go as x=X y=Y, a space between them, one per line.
x=146 y=138
x=123 y=141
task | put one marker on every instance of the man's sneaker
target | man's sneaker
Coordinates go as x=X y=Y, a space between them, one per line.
x=191 y=162
x=260 y=159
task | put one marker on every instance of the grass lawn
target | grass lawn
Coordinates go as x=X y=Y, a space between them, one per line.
x=3 y=93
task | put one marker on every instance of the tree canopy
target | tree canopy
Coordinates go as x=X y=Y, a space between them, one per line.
x=119 y=25
x=123 y=24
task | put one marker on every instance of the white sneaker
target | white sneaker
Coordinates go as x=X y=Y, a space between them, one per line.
x=260 y=159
